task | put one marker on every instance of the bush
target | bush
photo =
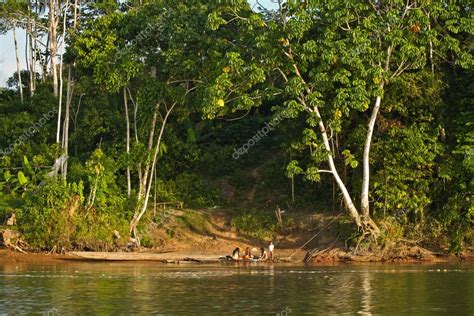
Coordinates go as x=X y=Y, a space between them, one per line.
x=257 y=224
x=195 y=222
x=45 y=221
x=193 y=190
x=94 y=230
x=55 y=216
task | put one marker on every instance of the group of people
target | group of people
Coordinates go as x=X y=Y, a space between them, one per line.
x=264 y=254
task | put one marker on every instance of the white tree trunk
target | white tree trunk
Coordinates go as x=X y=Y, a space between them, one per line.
x=33 y=40
x=20 y=85
x=65 y=143
x=332 y=166
x=31 y=61
x=345 y=193
x=127 y=121
x=364 y=199
x=58 y=132
x=29 y=48
x=138 y=215
x=28 y=54
x=53 y=46
x=144 y=180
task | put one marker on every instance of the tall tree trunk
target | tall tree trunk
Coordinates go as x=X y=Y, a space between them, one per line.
x=332 y=166
x=144 y=181
x=30 y=61
x=76 y=3
x=20 y=85
x=431 y=46
x=364 y=199
x=27 y=56
x=345 y=193
x=135 y=131
x=127 y=121
x=58 y=132
x=33 y=40
x=45 y=62
x=76 y=117
x=69 y=93
x=53 y=45
x=65 y=142
x=139 y=213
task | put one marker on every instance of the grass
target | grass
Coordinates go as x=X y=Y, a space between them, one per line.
x=194 y=221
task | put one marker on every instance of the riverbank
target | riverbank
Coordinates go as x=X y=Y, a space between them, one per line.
x=310 y=239
x=327 y=256
x=401 y=255
x=9 y=256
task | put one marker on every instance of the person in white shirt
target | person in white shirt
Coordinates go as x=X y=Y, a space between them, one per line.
x=271 y=249
x=236 y=254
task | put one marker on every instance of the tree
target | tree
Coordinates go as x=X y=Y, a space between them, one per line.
x=332 y=59
x=159 y=62
x=11 y=14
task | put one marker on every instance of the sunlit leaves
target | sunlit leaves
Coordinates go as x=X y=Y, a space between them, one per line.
x=312 y=174
x=294 y=87
x=349 y=159
x=99 y=47
x=215 y=21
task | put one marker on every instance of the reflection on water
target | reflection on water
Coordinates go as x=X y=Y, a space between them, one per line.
x=366 y=293
x=145 y=288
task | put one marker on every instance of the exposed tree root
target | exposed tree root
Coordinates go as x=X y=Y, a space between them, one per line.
x=399 y=251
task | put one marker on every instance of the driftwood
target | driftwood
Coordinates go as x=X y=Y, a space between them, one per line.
x=313 y=252
x=310 y=254
x=11 y=239
x=163 y=205
x=319 y=232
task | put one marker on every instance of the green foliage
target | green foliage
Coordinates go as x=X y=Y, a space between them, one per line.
x=454 y=195
x=403 y=185
x=318 y=66
x=101 y=175
x=45 y=221
x=257 y=224
x=94 y=231
x=193 y=190
x=54 y=216
x=196 y=222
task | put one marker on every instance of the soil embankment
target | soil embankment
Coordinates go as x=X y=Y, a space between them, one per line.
x=216 y=237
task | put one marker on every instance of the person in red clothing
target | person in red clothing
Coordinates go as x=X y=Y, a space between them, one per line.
x=248 y=254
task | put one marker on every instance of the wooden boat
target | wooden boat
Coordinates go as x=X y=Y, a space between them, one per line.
x=230 y=259
x=170 y=257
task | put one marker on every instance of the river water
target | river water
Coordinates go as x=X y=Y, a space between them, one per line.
x=149 y=288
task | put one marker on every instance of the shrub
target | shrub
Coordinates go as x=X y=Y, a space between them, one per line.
x=257 y=224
